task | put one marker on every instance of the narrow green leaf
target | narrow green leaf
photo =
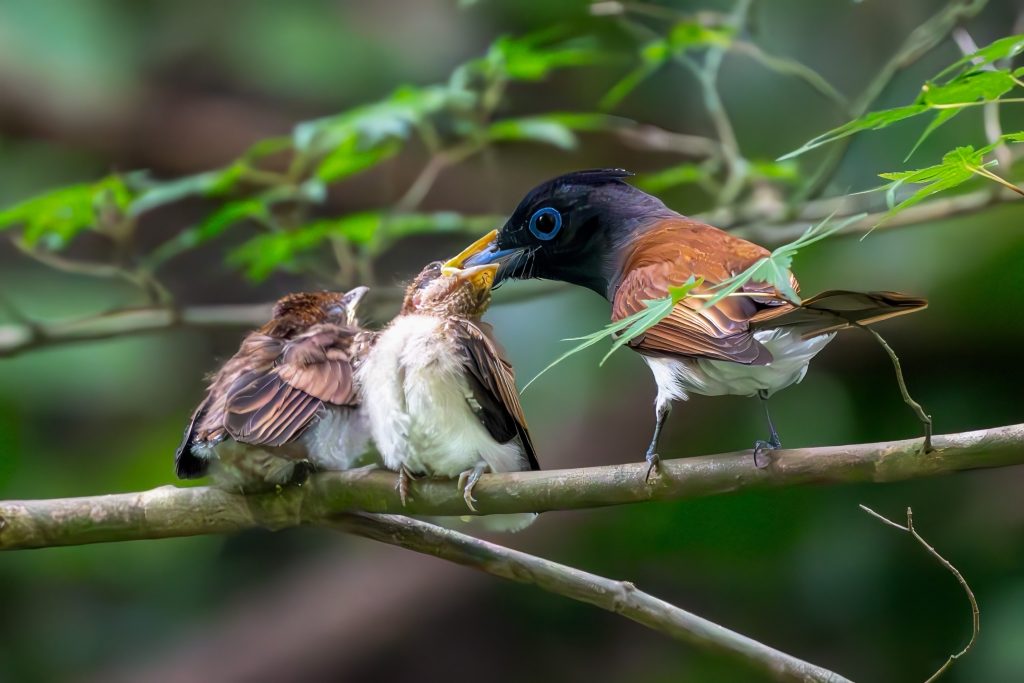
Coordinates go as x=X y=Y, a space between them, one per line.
x=671 y=177
x=875 y=120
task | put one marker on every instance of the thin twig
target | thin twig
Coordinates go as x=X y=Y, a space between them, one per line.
x=618 y=597
x=926 y=419
x=975 y=611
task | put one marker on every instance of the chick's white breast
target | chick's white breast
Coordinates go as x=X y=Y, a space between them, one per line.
x=416 y=395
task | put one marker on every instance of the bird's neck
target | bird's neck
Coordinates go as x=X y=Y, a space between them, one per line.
x=601 y=267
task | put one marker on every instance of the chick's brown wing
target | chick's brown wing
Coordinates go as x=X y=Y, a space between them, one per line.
x=272 y=405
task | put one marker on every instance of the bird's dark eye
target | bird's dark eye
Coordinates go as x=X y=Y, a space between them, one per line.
x=545 y=223
x=336 y=311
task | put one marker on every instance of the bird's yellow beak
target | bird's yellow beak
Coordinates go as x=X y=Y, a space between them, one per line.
x=454 y=264
x=481 y=278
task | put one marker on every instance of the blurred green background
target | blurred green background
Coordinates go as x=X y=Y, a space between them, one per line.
x=179 y=88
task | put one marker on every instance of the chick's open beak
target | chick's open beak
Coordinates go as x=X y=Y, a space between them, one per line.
x=480 y=277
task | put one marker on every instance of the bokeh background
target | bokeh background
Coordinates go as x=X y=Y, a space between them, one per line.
x=178 y=88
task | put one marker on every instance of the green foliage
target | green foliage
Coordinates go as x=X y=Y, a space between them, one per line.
x=371 y=231
x=682 y=38
x=56 y=217
x=628 y=328
x=673 y=176
x=774 y=268
x=967 y=82
x=955 y=169
x=557 y=129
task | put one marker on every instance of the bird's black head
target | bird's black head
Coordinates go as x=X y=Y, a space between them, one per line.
x=572 y=228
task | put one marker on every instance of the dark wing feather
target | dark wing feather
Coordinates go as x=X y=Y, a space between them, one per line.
x=667 y=255
x=837 y=309
x=493 y=383
x=273 y=405
x=187 y=465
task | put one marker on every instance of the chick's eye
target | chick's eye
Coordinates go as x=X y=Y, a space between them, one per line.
x=545 y=223
x=335 y=311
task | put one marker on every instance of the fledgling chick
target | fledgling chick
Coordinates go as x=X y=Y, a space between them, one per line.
x=440 y=396
x=287 y=402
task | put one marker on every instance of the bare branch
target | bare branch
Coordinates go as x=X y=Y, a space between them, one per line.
x=619 y=597
x=169 y=511
x=975 y=611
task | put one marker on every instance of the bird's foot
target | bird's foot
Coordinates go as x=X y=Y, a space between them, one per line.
x=467 y=482
x=653 y=463
x=405 y=478
x=762 y=452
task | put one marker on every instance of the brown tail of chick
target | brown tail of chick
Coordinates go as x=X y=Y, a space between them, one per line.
x=838 y=309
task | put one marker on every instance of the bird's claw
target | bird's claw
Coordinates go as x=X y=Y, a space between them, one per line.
x=653 y=463
x=762 y=451
x=404 y=479
x=467 y=482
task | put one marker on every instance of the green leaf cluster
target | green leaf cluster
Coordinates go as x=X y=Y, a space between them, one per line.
x=967 y=82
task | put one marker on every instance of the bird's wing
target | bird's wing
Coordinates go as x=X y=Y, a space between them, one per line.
x=493 y=383
x=668 y=255
x=272 y=405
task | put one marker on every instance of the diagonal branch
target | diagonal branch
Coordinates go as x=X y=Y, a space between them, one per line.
x=170 y=512
x=619 y=597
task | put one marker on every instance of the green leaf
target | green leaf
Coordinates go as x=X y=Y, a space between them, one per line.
x=555 y=129
x=626 y=85
x=774 y=268
x=1014 y=137
x=957 y=167
x=674 y=176
x=373 y=231
x=875 y=120
x=58 y=216
x=780 y=171
x=156 y=193
x=1010 y=46
x=941 y=118
x=690 y=34
x=532 y=57
x=346 y=161
x=968 y=87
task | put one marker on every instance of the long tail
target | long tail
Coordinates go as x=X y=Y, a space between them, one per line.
x=838 y=309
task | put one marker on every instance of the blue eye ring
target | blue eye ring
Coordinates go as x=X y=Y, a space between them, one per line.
x=542 y=234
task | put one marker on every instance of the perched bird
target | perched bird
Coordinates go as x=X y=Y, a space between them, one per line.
x=287 y=402
x=440 y=396
x=592 y=229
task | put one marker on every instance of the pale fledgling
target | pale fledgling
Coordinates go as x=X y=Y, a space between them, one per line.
x=440 y=397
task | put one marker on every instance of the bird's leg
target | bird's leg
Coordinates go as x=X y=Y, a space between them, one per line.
x=661 y=410
x=405 y=477
x=468 y=480
x=761 y=447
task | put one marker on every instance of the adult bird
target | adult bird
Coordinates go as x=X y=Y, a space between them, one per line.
x=439 y=393
x=593 y=229
x=286 y=402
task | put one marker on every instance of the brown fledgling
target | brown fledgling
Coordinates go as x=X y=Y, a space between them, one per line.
x=439 y=393
x=286 y=402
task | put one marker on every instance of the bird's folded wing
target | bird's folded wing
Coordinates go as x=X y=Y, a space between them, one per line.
x=493 y=383
x=667 y=255
x=272 y=405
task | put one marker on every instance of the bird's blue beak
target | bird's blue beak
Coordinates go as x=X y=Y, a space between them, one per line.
x=484 y=252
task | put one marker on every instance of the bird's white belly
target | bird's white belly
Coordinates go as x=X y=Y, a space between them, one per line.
x=676 y=377
x=337 y=439
x=416 y=395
